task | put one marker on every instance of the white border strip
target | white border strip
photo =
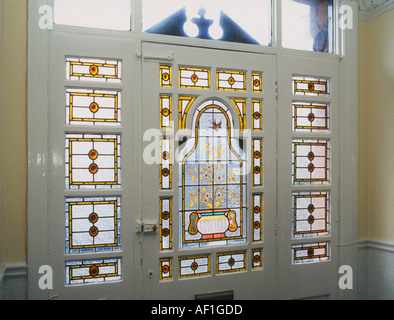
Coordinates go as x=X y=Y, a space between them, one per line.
x=376 y=244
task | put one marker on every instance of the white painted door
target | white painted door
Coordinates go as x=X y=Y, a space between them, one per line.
x=208 y=185
x=92 y=247
x=308 y=170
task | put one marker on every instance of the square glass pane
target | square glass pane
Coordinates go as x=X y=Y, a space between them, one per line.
x=307 y=25
x=101 y=14
x=248 y=21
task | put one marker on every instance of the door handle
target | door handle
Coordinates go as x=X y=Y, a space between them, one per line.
x=146 y=227
x=168 y=57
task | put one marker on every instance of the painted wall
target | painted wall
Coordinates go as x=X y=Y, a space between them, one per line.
x=14 y=131
x=376 y=144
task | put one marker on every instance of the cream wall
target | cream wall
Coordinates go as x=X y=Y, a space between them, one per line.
x=376 y=119
x=14 y=132
x=376 y=151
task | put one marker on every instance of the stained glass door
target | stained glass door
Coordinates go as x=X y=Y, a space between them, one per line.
x=208 y=174
x=92 y=203
x=308 y=178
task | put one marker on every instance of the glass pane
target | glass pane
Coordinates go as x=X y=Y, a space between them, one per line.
x=93 y=107
x=93 y=69
x=311 y=214
x=92 y=161
x=231 y=262
x=93 y=271
x=258 y=217
x=101 y=14
x=166 y=269
x=224 y=20
x=166 y=166
x=311 y=86
x=311 y=117
x=212 y=181
x=165 y=111
x=257 y=145
x=311 y=161
x=194 y=266
x=311 y=252
x=231 y=80
x=257 y=258
x=166 y=224
x=194 y=78
x=93 y=224
x=307 y=25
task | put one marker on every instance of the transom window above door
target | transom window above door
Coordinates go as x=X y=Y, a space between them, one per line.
x=223 y=20
x=304 y=24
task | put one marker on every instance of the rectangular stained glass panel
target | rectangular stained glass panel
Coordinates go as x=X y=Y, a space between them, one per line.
x=93 y=224
x=194 y=78
x=231 y=262
x=257 y=82
x=93 y=271
x=257 y=115
x=165 y=77
x=165 y=224
x=311 y=161
x=90 y=107
x=194 y=266
x=92 y=161
x=166 y=269
x=257 y=162
x=258 y=217
x=311 y=214
x=311 y=252
x=231 y=80
x=88 y=69
x=166 y=164
x=165 y=112
x=311 y=117
x=257 y=258
x=311 y=86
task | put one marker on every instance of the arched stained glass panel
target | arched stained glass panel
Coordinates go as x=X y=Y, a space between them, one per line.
x=212 y=184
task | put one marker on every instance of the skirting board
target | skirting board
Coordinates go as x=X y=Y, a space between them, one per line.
x=376 y=244
x=15 y=271
x=2 y=274
x=13 y=282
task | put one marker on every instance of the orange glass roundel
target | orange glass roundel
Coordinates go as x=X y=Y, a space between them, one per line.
x=94 y=107
x=94 y=70
x=93 y=168
x=93 y=154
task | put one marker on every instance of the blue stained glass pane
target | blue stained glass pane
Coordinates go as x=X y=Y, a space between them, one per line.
x=223 y=20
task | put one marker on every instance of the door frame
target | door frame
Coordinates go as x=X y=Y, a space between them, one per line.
x=38 y=107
